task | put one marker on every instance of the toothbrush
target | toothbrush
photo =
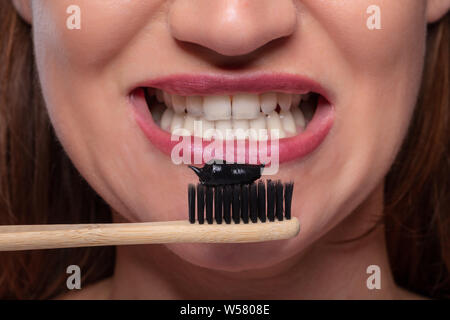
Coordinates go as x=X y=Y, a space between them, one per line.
x=225 y=212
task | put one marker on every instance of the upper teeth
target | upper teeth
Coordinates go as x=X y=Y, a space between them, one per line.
x=224 y=107
x=194 y=105
x=217 y=107
x=239 y=111
x=245 y=106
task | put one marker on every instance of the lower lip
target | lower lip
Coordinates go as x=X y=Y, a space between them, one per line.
x=292 y=148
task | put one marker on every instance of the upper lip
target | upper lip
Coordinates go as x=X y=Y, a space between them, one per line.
x=209 y=84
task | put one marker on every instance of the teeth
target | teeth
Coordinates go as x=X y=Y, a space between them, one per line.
x=284 y=100
x=194 y=105
x=296 y=99
x=240 y=129
x=245 y=106
x=240 y=124
x=207 y=129
x=256 y=126
x=189 y=122
x=167 y=99
x=259 y=123
x=217 y=107
x=259 y=128
x=288 y=122
x=224 y=127
x=179 y=103
x=274 y=123
x=239 y=116
x=299 y=118
x=177 y=123
x=268 y=102
x=166 y=119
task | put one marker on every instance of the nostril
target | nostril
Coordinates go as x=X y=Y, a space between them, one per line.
x=232 y=28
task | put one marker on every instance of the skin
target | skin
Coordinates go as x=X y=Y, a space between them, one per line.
x=374 y=76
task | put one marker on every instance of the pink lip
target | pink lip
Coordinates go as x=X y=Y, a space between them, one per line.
x=205 y=84
x=289 y=148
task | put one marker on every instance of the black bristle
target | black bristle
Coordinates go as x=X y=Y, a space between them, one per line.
x=244 y=203
x=279 y=200
x=218 y=204
x=288 y=191
x=270 y=200
x=191 y=202
x=227 y=198
x=209 y=205
x=261 y=201
x=200 y=204
x=253 y=203
x=236 y=203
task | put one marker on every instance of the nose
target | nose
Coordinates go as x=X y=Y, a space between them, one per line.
x=232 y=27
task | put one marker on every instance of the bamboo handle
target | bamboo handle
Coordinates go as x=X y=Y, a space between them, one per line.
x=32 y=237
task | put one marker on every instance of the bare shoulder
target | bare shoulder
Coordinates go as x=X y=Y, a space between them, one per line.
x=97 y=291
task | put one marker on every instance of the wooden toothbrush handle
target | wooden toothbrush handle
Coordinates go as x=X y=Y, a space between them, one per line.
x=32 y=237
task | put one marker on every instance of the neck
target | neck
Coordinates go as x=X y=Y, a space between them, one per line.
x=330 y=269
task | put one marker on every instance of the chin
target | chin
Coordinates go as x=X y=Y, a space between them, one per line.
x=235 y=257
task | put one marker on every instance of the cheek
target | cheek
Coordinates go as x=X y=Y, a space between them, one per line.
x=377 y=76
x=401 y=35
x=386 y=67
x=82 y=94
x=106 y=27
x=376 y=72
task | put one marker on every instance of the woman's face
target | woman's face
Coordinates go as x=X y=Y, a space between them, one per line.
x=369 y=77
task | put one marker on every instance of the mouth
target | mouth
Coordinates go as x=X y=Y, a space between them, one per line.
x=294 y=111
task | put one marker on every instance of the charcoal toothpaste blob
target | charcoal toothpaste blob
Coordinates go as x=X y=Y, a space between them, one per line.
x=217 y=173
